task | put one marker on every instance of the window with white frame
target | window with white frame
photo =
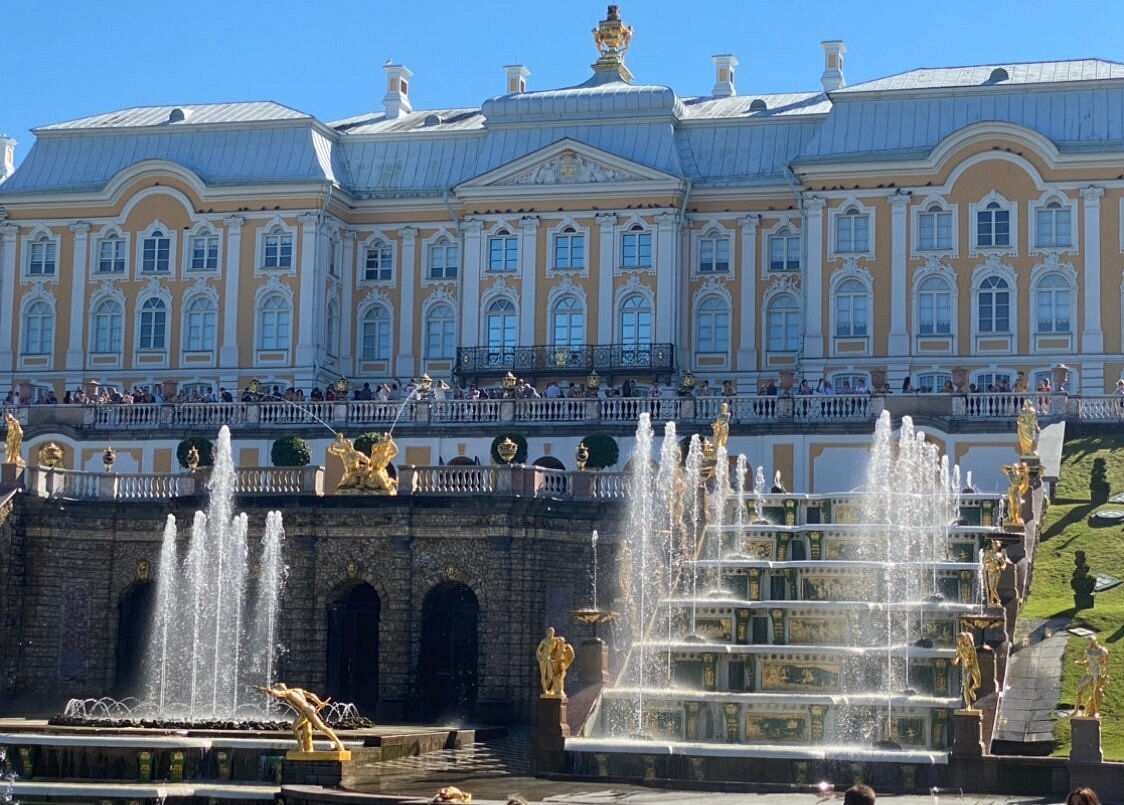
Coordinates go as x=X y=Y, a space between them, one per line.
x=332 y=319
x=993 y=306
x=636 y=248
x=375 y=334
x=277 y=248
x=714 y=253
x=378 y=262
x=38 y=329
x=934 y=307
x=784 y=251
x=274 y=323
x=444 y=258
x=636 y=321
x=934 y=229
x=990 y=382
x=156 y=252
x=568 y=322
x=111 y=255
x=933 y=382
x=852 y=309
x=440 y=332
x=204 y=252
x=1052 y=305
x=712 y=326
x=993 y=226
x=200 y=319
x=152 y=331
x=503 y=252
x=108 y=325
x=852 y=232
x=500 y=325
x=42 y=256
x=569 y=249
x=1053 y=226
x=782 y=324
x=844 y=383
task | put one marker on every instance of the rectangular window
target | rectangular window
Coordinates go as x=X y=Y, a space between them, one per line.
x=379 y=264
x=784 y=253
x=443 y=259
x=156 y=253
x=636 y=250
x=111 y=256
x=935 y=314
x=204 y=253
x=1053 y=228
x=439 y=338
x=503 y=254
x=935 y=231
x=569 y=251
x=278 y=251
x=714 y=255
x=852 y=233
x=41 y=259
x=993 y=227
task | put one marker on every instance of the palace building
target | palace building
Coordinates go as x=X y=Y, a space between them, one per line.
x=936 y=220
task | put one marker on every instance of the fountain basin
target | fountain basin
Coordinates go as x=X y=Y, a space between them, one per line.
x=846 y=752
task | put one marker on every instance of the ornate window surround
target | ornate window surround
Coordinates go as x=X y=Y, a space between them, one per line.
x=171 y=234
x=923 y=206
x=1012 y=207
x=553 y=232
x=275 y=226
x=794 y=226
x=711 y=229
x=935 y=268
x=40 y=234
x=1067 y=203
x=377 y=236
x=851 y=206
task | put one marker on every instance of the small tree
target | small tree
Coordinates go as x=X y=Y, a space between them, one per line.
x=1098 y=483
x=204 y=446
x=520 y=453
x=290 y=451
x=365 y=441
x=603 y=450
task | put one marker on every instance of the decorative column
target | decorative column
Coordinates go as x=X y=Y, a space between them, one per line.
x=347 y=302
x=606 y=263
x=667 y=277
x=1092 y=339
x=470 y=286
x=307 y=301
x=747 y=298
x=813 y=277
x=407 y=317
x=232 y=268
x=528 y=260
x=899 y=335
x=74 y=351
x=9 y=274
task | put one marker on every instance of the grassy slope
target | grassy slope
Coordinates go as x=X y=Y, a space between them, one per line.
x=1065 y=530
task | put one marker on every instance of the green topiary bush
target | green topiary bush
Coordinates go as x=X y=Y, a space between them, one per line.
x=520 y=454
x=290 y=451
x=1098 y=483
x=364 y=441
x=204 y=446
x=603 y=450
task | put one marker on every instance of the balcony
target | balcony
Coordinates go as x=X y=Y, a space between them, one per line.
x=562 y=360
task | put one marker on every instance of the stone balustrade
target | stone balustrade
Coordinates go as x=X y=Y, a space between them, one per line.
x=140 y=486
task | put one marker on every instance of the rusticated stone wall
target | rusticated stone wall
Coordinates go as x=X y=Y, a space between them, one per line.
x=66 y=567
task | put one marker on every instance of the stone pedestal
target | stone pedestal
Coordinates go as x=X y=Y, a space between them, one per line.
x=593 y=662
x=967 y=734
x=548 y=743
x=1085 y=740
x=985 y=656
x=11 y=475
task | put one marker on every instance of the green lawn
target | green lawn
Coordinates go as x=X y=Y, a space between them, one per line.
x=1066 y=529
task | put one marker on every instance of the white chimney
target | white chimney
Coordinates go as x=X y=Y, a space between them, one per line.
x=832 y=78
x=396 y=102
x=724 y=75
x=516 y=78
x=7 y=156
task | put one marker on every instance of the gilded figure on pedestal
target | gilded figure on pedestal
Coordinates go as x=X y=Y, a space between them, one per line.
x=994 y=562
x=13 y=441
x=363 y=473
x=970 y=678
x=1019 y=477
x=1090 y=690
x=1028 y=430
x=307 y=706
x=555 y=657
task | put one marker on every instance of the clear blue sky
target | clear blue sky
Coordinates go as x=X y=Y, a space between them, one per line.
x=62 y=59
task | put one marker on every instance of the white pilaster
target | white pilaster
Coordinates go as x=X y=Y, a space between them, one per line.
x=79 y=270
x=1092 y=339
x=470 y=303
x=232 y=270
x=9 y=273
x=667 y=277
x=899 y=336
x=747 y=298
x=529 y=265
x=813 y=277
x=408 y=322
x=347 y=302
x=606 y=266
x=308 y=300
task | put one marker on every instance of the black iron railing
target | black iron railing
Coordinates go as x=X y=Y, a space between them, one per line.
x=605 y=358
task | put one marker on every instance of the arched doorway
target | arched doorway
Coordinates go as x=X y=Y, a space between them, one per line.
x=448 y=658
x=134 y=620
x=353 y=647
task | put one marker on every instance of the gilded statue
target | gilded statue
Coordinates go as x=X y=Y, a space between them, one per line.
x=720 y=428
x=307 y=706
x=612 y=36
x=1019 y=477
x=581 y=456
x=13 y=442
x=362 y=472
x=970 y=679
x=1090 y=691
x=994 y=562
x=555 y=657
x=1028 y=430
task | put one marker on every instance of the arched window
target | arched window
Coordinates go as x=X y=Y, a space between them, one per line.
x=636 y=321
x=153 y=330
x=199 y=324
x=38 y=329
x=375 y=334
x=1052 y=303
x=333 y=327
x=852 y=309
x=934 y=307
x=273 y=323
x=783 y=324
x=994 y=306
x=712 y=326
x=993 y=226
x=108 y=324
x=440 y=324
x=568 y=322
x=501 y=323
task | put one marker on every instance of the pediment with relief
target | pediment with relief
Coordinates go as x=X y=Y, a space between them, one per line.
x=570 y=167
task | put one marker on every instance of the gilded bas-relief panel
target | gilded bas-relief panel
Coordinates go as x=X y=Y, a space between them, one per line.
x=715 y=628
x=800 y=676
x=776 y=727
x=816 y=631
x=837 y=588
x=906 y=730
x=664 y=724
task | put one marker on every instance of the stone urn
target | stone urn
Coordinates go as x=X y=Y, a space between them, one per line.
x=960 y=378
x=788 y=378
x=877 y=380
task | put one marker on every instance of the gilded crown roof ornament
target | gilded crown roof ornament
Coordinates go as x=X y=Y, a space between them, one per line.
x=612 y=38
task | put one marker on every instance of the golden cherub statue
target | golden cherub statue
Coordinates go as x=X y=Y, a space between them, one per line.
x=994 y=562
x=13 y=441
x=970 y=679
x=555 y=657
x=1090 y=691
x=307 y=706
x=1019 y=477
x=362 y=472
x=1027 y=429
